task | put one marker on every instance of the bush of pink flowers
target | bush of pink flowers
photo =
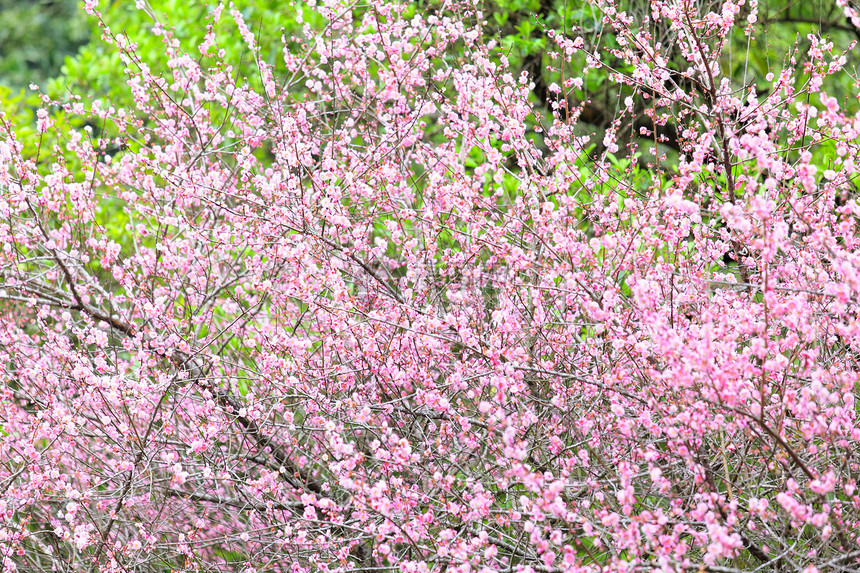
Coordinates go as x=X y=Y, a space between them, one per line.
x=383 y=315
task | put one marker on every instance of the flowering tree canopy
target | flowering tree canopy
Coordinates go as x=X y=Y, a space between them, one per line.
x=392 y=305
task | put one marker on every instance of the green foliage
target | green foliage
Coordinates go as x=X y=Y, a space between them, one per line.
x=97 y=69
x=36 y=36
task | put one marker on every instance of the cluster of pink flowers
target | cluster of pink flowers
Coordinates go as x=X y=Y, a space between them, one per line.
x=359 y=320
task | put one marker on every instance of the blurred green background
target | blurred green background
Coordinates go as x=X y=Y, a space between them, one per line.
x=36 y=36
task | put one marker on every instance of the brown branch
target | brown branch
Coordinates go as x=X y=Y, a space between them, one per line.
x=231 y=502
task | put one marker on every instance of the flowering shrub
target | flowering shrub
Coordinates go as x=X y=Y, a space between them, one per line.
x=386 y=314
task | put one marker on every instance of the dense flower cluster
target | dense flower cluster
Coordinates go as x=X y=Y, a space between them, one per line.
x=366 y=319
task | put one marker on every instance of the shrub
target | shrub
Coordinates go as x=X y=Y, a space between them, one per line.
x=389 y=312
